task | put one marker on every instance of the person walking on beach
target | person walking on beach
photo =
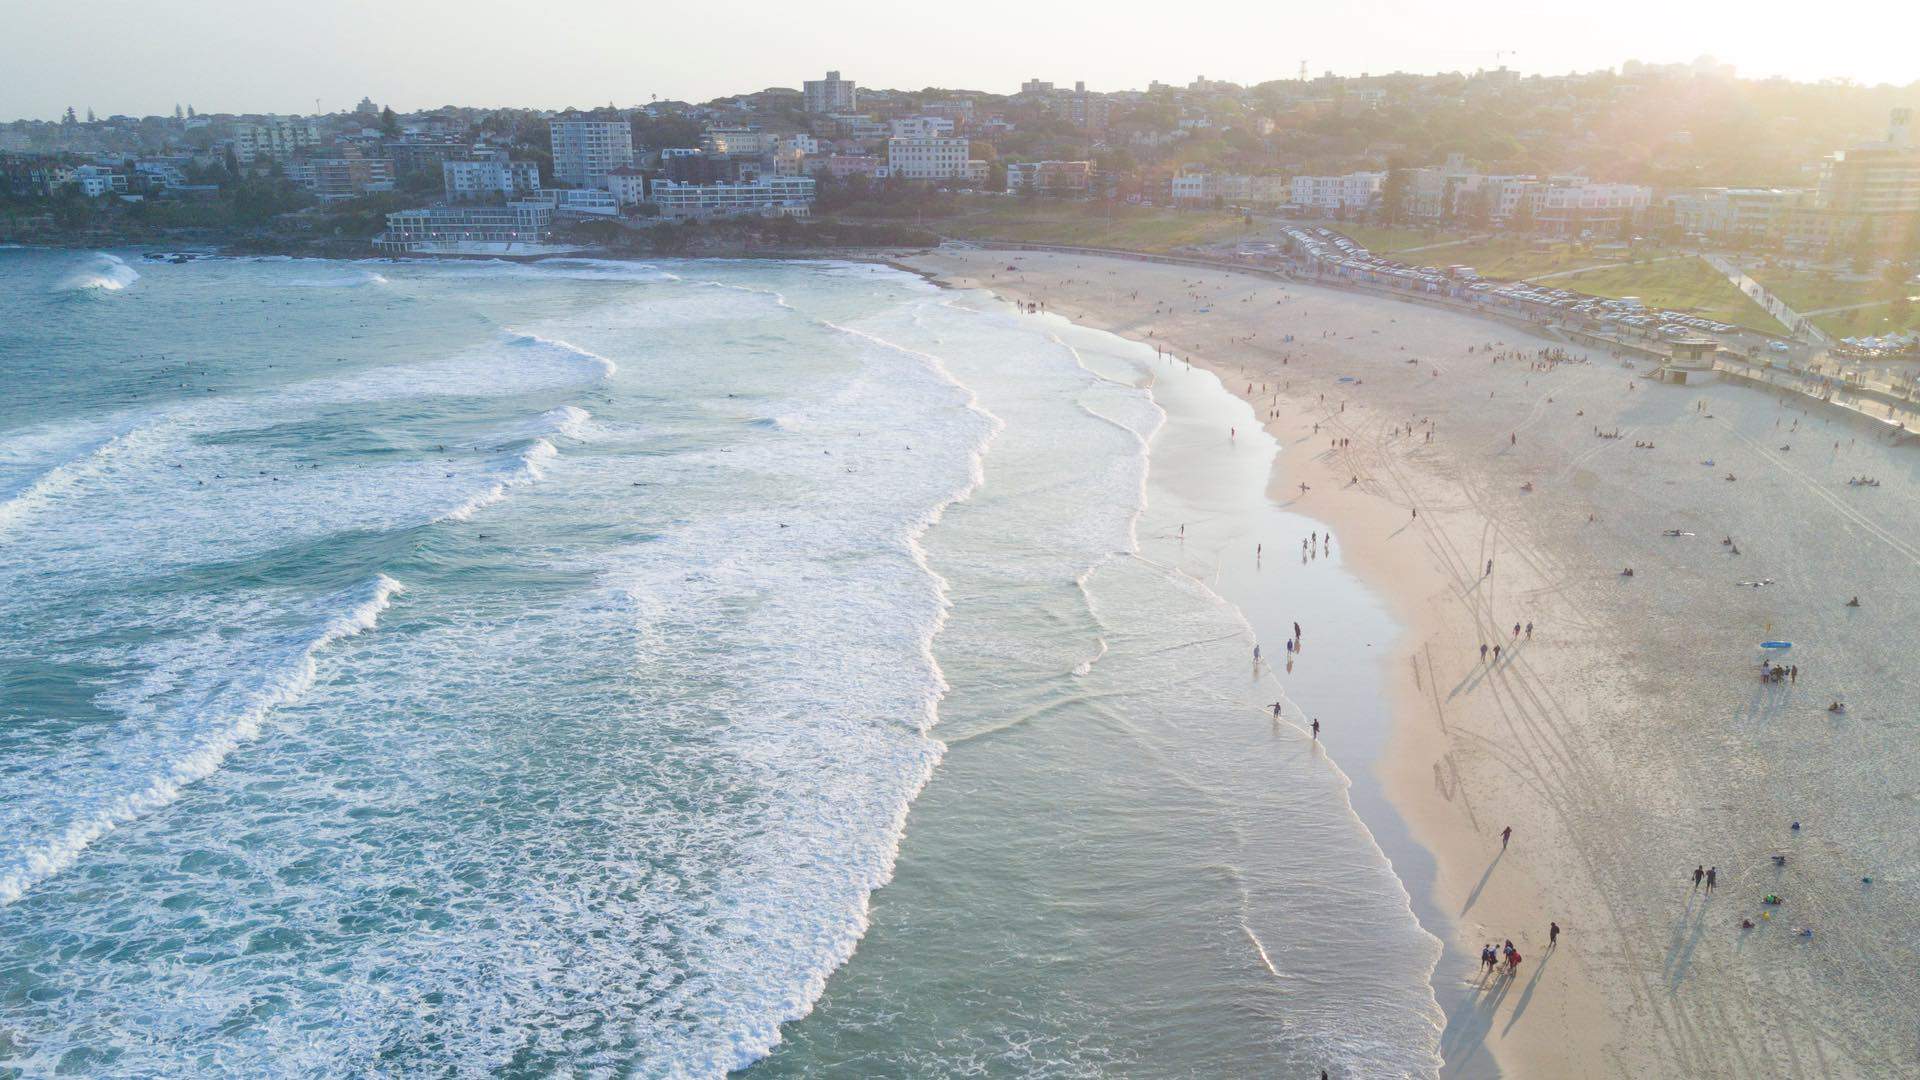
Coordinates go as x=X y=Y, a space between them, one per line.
x=1496 y=654
x=1713 y=875
x=1489 y=572
x=1553 y=935
x=1506 y=834
x=1483 y=652
x=1529 y=631
x=1698 y=873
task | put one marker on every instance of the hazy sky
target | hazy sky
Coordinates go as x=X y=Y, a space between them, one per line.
x=143 y=56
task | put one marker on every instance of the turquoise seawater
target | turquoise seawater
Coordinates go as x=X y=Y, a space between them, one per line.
x=470 y=668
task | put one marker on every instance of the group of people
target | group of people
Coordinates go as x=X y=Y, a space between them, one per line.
x=1773 y=673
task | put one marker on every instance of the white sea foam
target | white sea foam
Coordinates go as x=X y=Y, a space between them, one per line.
x=95 y=797
x=102 y=273
x=606 y=367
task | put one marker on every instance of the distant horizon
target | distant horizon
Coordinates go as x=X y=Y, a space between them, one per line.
x=221 y=57
x=328 y=108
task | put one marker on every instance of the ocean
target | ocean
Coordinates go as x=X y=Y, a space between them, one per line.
x=476 y=668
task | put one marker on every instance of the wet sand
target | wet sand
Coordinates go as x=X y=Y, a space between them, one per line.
x=1630 y=739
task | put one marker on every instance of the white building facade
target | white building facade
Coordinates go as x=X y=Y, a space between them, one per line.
x=468 y=181
x=930 y=159
x=769 y=196
x=584 y=151
x=1354 y=191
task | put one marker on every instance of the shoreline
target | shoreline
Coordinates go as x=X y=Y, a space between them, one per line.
x=1373 y=773
x=1621 y=743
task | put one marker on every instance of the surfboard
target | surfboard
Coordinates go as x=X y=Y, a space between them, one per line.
x=1776 y=644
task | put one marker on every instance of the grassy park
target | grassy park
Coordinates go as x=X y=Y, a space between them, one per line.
x=1093 y=224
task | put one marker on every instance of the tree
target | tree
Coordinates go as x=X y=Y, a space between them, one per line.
x=389 y=123
x=1395 y=194
x=69 y=120
x=1522 y=219
x=89 y=114
x=177 y=114
x=190 y=112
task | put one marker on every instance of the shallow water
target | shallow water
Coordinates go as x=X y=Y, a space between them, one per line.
x=476 y=667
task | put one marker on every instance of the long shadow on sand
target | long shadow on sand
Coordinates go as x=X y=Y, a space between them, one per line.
x=1466 y=1032
x=1526 y=996
x=1474 y=896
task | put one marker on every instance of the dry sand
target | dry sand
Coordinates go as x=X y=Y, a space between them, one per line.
x=1630 y=739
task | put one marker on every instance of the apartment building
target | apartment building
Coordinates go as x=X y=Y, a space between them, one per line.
x=342 y=177
x=1733 y=212
x=769 y=196
x=489 y=179
x=521 y=222
x=275 y=139
x=1070 y=178
x=628 y=185
x=97 y=180
x=584 y=151
x=1875 y=178
x=922 y=127
x=1601 y=209
x=1351 y=192
x=930 y=159
x=830 y=95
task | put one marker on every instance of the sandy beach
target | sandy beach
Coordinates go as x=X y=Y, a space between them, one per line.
x=1627 y=738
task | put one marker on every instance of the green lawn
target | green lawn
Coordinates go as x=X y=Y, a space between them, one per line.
x=1684 y=284
x=1093 y=224
x=1387 y=240
x=1878 y=319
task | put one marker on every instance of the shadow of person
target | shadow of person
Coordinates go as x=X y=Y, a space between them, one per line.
x=1474 y=896
x=1526 y=995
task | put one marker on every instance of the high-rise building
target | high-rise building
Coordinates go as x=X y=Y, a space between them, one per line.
x=831 y=94
x=584 y=151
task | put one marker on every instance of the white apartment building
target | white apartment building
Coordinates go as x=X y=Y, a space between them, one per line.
x=584 y=151
x=930 y=159
x=738 y=142
x=1191 y=187
x=922 y=127
x=277 y=139
x=97 y=180
x=1570 y=209
x=628 y=185
x=467 y=181
x=1354 y=191
x=830 y=95
x=769 y=196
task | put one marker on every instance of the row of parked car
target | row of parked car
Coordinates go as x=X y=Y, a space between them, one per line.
x=1341 y=253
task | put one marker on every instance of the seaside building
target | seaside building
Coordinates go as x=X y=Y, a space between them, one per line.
x=1351 y=192
x=830 y=95
x=932 y=159
x=628 y=185
x=97 y=180
x=410 y=156
x=1069 y=178
x=584 y=151
x=275 y=139
x=489 y=179
x=1603 y=209
x=922 y=127
x=769 y=196
x=1733 y=213
x=515 y=223
x=342 y=177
